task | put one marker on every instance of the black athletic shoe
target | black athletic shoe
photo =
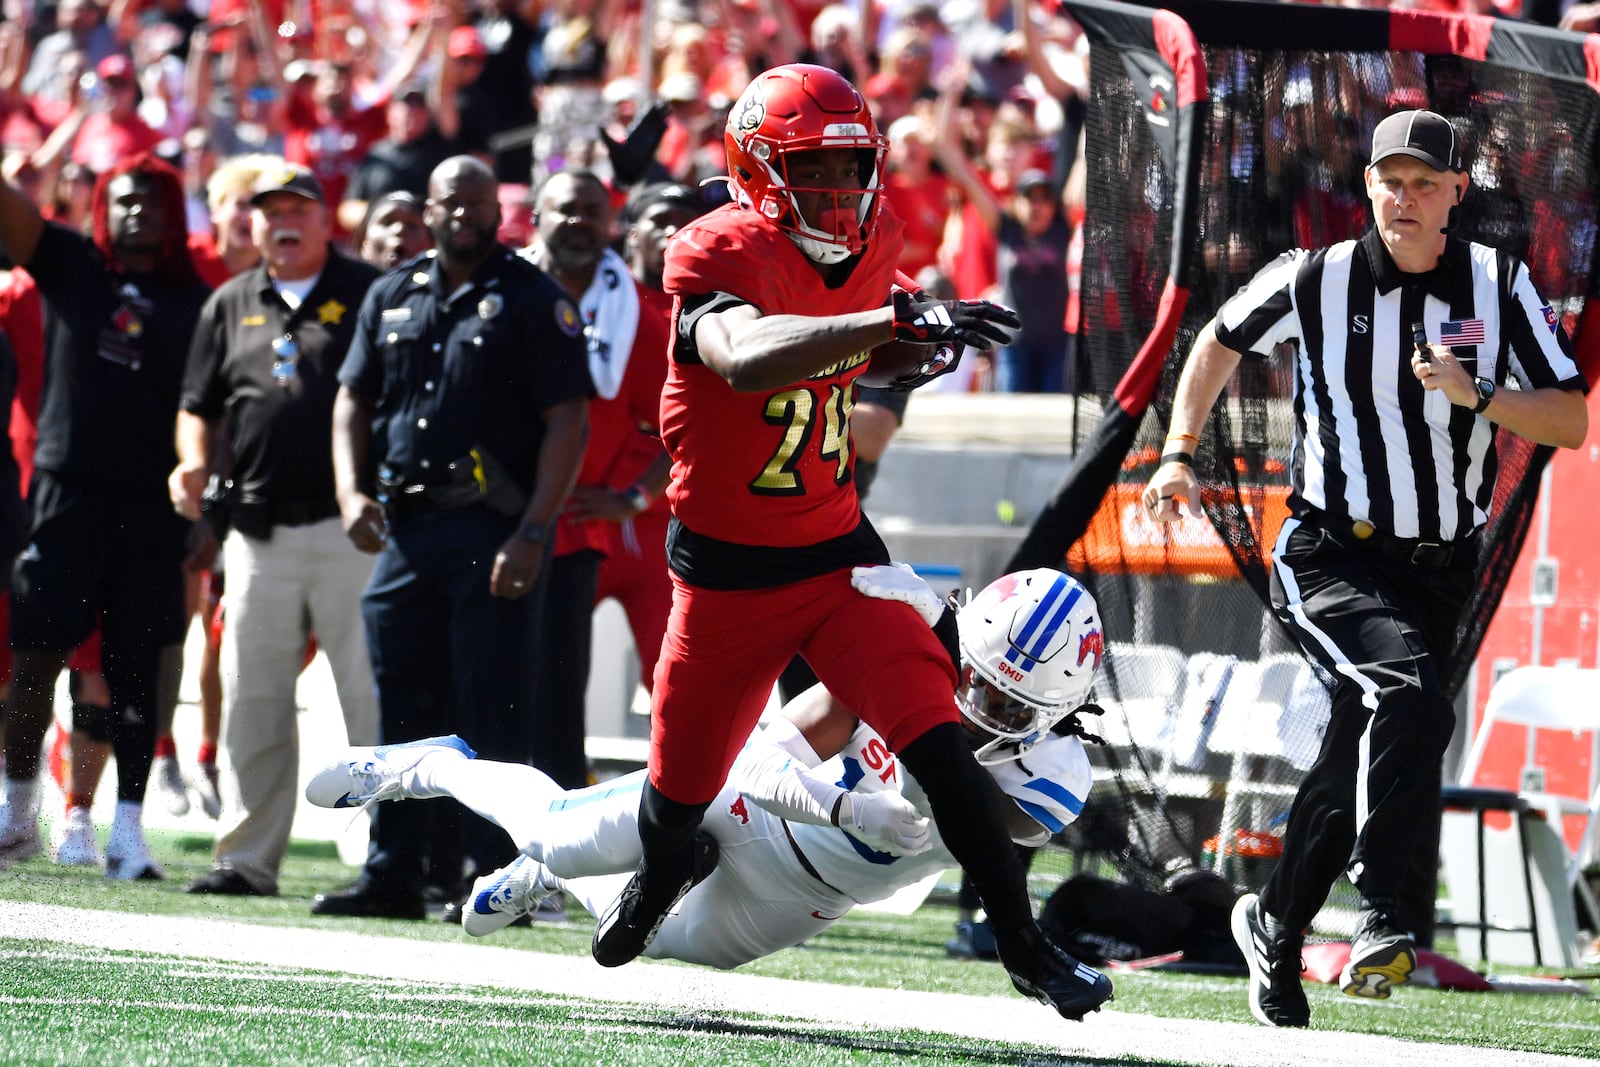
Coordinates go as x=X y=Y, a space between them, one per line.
x=628 y=927
x=1381 y=957
x=1072 y=988
x=1276 y=997
x=225 y=881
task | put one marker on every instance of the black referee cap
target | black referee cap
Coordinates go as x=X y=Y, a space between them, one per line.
x=1424 y=135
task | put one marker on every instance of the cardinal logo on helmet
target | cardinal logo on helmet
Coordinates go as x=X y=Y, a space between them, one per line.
x=752 y=111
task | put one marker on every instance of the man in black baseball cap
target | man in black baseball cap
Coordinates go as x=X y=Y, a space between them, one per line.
x=1424 y=135
x=290 y=178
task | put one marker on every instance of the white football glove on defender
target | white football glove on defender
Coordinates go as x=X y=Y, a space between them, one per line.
x=898 y=581
x=887 y=819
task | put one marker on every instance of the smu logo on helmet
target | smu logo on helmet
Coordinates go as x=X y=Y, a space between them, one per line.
x=1011 y=672
x=1092 y=643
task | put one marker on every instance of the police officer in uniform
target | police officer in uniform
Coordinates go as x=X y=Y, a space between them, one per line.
x=459 y=428
x=265 y=358
x=1407 y=340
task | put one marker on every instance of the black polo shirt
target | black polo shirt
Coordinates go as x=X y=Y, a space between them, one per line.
x=280 y=426
x=449 y=372
x=114 y=347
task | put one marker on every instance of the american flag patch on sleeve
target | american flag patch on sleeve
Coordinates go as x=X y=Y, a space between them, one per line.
x=1461 y=332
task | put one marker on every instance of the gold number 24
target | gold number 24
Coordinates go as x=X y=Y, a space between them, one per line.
x=793 y=410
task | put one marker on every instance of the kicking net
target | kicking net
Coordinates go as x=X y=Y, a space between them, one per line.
x=1212 y=714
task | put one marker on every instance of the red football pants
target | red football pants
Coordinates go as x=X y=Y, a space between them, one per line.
x=724 y=651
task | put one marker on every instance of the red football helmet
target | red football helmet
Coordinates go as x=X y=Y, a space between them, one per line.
x=799 y=108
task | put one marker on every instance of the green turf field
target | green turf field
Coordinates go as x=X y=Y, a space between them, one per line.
x=76 y=1003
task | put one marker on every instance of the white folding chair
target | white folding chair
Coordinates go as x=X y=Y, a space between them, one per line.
x=1138 y=688
x=1528 y=915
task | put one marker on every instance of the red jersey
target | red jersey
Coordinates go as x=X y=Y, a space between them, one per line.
x=22 y=319
x=613 y=426
x=769 y=468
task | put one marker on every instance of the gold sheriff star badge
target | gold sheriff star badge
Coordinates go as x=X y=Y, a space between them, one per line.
x=331 y=312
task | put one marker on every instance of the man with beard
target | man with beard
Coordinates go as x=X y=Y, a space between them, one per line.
x=458 y=431
x=265 y=355
x=627 y=354
x=120 y=307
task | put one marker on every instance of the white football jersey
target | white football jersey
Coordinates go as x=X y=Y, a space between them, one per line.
x=1050 y=784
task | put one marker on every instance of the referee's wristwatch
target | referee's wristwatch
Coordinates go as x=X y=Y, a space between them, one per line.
x=1486 y=390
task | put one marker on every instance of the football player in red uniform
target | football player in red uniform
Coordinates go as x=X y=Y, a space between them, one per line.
x=781 y=301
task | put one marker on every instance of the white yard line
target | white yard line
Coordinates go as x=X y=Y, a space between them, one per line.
x=1108 y=1035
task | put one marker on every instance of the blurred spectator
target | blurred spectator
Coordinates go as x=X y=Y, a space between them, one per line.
x=227 y=247
x=467 y=113
x=627 y=357
x=1032 y=238
x=919 y=194
x=691 y=149
x=400 y=162
x=80 y=27
x=163 y=104
x=393 y=231
x=836 y=42
x=508 y=38
x=904 y=74
x=755 y=36
x=328 y=131
x=571 y=66
x=236 y=85
x=113 y=130
x=167 y=17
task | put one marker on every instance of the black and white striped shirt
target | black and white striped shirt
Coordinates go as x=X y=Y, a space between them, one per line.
x=1369 y=442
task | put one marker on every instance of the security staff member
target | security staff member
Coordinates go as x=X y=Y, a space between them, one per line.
x=119 y=311
x=1394 y=470
x=265 y=357
x=458 y=432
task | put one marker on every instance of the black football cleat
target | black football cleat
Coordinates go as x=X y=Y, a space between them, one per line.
x=1072 y=988
x=628 y=927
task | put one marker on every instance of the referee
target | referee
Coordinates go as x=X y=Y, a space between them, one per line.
x=1394 y=470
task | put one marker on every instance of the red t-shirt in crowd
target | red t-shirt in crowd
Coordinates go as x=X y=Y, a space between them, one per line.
x=924 y=206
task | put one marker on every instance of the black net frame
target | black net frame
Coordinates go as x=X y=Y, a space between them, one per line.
x=1278 y=144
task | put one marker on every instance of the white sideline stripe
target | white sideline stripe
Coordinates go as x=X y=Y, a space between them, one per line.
x=1108 y=1035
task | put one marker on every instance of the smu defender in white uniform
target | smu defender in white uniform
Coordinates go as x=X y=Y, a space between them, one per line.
x=801 y=839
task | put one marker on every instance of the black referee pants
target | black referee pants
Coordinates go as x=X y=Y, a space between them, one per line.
x=1377 y=621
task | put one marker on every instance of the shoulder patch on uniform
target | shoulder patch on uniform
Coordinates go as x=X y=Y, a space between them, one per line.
x=567 y=318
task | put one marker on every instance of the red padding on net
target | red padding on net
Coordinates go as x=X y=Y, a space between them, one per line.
x=1431 y=33
x=1176 y=44
x=1591 y=59
x=1138 y=386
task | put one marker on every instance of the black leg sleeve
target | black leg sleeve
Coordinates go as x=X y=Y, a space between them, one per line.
x=665 y=827
x=969 y=809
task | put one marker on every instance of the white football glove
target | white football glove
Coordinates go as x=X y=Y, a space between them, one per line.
x=898 y=581
x=887 y=820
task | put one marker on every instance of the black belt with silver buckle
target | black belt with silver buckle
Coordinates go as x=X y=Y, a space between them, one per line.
x=805 y=863
x=1431 y=555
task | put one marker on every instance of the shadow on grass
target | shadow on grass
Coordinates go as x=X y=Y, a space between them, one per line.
x=942 y=1048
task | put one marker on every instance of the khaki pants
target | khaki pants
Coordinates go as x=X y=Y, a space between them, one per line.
x=305 y=579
